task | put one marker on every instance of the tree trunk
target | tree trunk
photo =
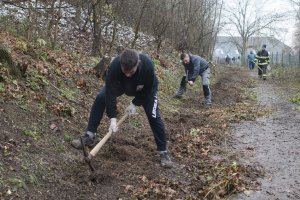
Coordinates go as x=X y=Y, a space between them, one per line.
x=158 y=47
x=243 y=51
x=30 y=27
x=138 y=23
x=87 y=19
x=36 y=24
x=77 y=18
x=51 y=22
x=55 y=33
x=96 y=49
x=113 y=38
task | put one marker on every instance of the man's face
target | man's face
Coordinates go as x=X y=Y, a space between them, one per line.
x=186 y=60
x=131 y=72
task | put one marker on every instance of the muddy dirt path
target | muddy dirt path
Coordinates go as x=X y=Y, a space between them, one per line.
x=274 y=144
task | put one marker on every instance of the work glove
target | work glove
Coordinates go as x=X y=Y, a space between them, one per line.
x=191 y=83
x=131 y=109
x=113 y=125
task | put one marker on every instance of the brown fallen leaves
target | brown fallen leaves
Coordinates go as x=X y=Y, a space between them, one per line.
x=156 y=188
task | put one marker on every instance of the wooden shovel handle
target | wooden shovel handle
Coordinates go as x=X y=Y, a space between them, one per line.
x=96 y=149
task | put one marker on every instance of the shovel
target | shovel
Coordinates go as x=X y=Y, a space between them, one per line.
x=88 y=156
x=96 y=149
x=268 y=67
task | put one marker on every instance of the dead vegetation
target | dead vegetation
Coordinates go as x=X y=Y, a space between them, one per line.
x=49 y=106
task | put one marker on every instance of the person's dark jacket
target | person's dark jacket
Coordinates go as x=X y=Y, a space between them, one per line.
x=263 y=57
x=196 y=66
x=141 y=84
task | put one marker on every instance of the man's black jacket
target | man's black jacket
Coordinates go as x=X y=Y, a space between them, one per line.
x=141 y=84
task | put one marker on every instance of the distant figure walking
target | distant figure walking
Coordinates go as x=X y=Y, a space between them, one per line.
x=251 y=60
x=263 y=59
x=233 y=60
x=227 y=59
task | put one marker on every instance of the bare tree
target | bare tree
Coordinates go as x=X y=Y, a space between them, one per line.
x=97 y=6
x=138 y=21
x=246 y=20
x=296 y=3
x=160 y=22
x=198 y=24
x=297 y=35
x=187 y=25
x=56 y=17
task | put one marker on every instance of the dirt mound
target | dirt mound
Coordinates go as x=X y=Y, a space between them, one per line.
x=227 y=89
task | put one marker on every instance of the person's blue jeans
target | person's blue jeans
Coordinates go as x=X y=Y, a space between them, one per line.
x=251 y=65
x=150 y=107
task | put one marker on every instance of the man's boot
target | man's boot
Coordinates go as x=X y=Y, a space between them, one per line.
x=182 y=87
x=88 y=140
x=207 y=100
x=264 y=77
x=165 y=160
x=180 y=92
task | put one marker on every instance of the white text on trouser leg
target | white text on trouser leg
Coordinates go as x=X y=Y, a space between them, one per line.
x=154 y=107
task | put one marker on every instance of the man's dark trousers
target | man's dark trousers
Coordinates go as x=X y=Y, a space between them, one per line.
x=151 y=109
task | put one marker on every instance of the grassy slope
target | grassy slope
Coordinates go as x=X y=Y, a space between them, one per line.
x=41 y=113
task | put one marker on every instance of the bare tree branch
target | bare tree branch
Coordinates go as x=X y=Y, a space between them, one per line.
x=246 y=20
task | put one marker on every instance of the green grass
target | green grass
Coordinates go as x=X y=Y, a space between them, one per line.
x=136 y=123
x=295 y=98
x=58 y=146
x=31 y=132
x=68 y=93
x=16 y=182
x=2 y=87
x=42 y=106
x=6 y=151
x=68 y=138
x=286 y=73
x=194 y=132
x=34 y=80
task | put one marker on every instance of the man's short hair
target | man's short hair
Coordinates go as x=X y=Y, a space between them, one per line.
x=129 y=59
x=264 y=46
x=183 y=55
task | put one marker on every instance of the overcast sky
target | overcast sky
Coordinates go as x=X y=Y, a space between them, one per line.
x=277 y=6
x=289 y=24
